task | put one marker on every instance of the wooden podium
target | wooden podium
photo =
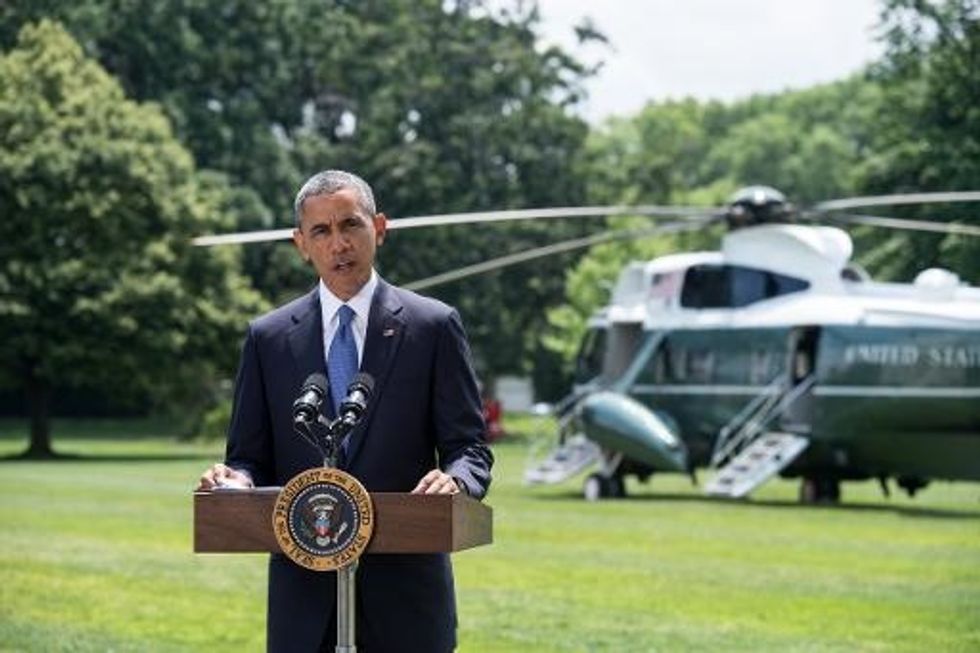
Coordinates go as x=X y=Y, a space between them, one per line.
x=240 y=521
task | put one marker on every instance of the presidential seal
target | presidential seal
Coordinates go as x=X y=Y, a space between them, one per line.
x=323 y=519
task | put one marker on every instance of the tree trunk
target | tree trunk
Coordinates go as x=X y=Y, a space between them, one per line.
x=39 y=403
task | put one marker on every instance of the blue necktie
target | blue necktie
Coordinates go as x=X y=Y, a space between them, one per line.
x=342 y=359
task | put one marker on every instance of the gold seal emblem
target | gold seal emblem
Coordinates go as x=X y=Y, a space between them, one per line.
x=323 y=519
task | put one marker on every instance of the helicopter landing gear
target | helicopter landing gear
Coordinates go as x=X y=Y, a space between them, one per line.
x=607 y=483
x=911 y=484
x=597 y=487
x=819 y=489
x=594 y=487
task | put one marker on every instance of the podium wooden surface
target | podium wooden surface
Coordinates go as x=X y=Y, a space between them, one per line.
x=240 y=521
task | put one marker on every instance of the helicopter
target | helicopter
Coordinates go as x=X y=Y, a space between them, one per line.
x=776 y=355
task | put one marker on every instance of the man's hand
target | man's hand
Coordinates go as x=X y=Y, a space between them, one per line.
x=219 y=475
x=436 y=482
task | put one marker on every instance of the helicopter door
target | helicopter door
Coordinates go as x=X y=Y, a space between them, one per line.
x=624 y=340
x=801 y=366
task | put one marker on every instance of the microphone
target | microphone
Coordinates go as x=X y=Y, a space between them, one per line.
x=354 y=405
x=306 y=408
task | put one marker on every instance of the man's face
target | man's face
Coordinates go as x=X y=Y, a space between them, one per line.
x=340 y=238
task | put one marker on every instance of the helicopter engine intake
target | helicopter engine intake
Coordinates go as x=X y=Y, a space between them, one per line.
x=620 y=423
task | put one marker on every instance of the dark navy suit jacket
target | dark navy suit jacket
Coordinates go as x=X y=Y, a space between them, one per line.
x=425 y=413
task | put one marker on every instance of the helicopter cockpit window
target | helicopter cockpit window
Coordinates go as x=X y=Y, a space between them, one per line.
x=778 y=284
x=591 y=353
x=733 y=286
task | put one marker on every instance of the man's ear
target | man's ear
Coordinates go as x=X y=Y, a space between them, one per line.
x=300 y=244
x=380 y=227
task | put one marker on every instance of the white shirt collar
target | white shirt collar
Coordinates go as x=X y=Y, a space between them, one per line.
x=360 y=303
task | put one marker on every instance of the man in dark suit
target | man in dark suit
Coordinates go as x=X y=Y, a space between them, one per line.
x=423 y=431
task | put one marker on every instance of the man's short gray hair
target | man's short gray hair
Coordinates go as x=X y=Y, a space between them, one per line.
x=329 y=182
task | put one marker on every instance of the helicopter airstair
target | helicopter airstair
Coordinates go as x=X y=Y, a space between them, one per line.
x=574 y=452
x=747 y=452
x=756 y=464
x=571 y=457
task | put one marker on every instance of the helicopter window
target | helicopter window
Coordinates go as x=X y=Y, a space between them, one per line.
x=588 y=364
x=732 y=286
x=746 y=286
x=701 y=365
x=760 y=366
x=660 y=366
x=676 y=363
x=778 y=284
x=705 y=286
x=664 y=285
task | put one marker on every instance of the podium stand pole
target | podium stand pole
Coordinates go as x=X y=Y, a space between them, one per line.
x=346 y=608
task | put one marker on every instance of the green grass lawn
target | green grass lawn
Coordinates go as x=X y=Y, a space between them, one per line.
x=95 y=555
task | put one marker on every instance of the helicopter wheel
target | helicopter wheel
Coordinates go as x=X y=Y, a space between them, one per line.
x=597 y=487
x=911 y=484
x=616 y=486
x=594 y=487
x=819 y=489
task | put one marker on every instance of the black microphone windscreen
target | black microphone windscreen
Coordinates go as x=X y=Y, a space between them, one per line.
x=316 y=381
x=364 y=379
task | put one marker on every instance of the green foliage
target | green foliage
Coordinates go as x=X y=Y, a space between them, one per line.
x=95 y=556
x=442 y=106
x=454 y=106
x=467 y=115
x=650 y=156
x=214 y=424
x=99 y=284
x=928 y=129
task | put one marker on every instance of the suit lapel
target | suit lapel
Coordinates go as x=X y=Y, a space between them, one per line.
x=386 y=327
x=306 y=339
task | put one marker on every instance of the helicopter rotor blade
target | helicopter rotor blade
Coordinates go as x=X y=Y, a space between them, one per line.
x=556 y=212
x=264 y=236
x=906 y=224
x=557 y=248
x=899 y=199
x=476 y=217
x=657 y=211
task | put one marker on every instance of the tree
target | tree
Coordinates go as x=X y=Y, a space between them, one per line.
x=99 y=284
x=478 y=120
x=928 y=130
x=443 y=106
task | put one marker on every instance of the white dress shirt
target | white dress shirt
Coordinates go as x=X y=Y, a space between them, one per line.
x=361 y=305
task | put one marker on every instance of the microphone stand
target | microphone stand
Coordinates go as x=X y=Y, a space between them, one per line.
x=346 y=587
x=319 y=433
x=326 y=436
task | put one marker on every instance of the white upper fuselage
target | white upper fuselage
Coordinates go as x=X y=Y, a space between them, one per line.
x=651 y=292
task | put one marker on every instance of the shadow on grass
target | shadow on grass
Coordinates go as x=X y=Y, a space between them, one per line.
x=749 y=504
x=106 y=458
